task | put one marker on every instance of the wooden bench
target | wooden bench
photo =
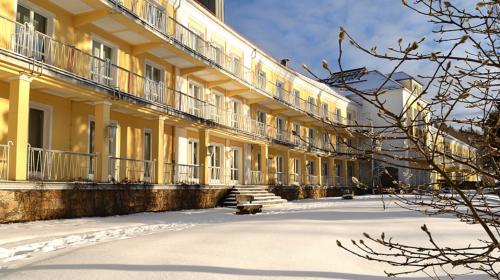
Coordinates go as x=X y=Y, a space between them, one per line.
x=248 y=208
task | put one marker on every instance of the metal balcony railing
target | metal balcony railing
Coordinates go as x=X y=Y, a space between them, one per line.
x=312 y=179
x=54 y=165
x=132 y=170
x=297 y=179
x=4 y=161
x=257 y=177
x=181 y=173
x=327 y=180
x=277 y=178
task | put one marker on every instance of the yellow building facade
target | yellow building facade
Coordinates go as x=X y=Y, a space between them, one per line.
x=163 y=92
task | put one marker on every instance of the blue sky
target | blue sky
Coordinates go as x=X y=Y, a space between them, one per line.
x=307 y=31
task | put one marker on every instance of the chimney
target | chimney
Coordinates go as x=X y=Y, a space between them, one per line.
x=285 y=62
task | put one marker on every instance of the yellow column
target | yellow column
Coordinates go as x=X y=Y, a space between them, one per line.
x=344 y=171
x=19 y=109
x=263 y=158
x=102 y=120
x=204 y=159
x=320 y=172
x=303 y=169
x=286 y=166
x=159 y=148
x=332 y=171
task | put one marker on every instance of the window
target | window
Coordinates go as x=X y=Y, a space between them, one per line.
x=259 y=161
x=326 y=141
x=101 y=65
x=280 y=89
x=338 y=169
x=237 y=65
x=350 y=172
x=235 y=165
x=296 y=138
x=324 y=170
x=312 y=136
x=147 y=153
x=261 y=116
x=279 y=164
x=310 y=168
x=194 y=103
x=324 y=112
x=280 y=126
x=338 y=114
x=312 y=104
x=155 y=16
x=261 y=79
x=296 y=99
x=39 y=18
x=218 y=53
x=296 y=166
x=154 y=86
x=196 y=41
x=349 y=118
x=237 y=119
x=217 y=107
x=339 y=144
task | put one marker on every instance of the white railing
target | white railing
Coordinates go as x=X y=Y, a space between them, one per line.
x=189 y=104
x=312 y=179
x=327 y=180
x=4 y=161
x=297 y=179
x=257 y=177
x=181 y=173
x=340 y=181
x=216 y=175
x=132 y=170
x=53 y=165
x=277 y=178
x=148 y=11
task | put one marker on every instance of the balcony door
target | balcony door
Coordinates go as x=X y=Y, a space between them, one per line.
x=190 y=173
x=216 y=165
x=235 y=157
x=236 y=119
x=296 y=94
x=280 y=89
x=217 y=108
x=194 y=104
x=296 y=138
x=262 y=120
x=35 y=139
x=148 y=153
x=154 y=85
x=280 y=129
x=261 y=79
x=30 y=46
x=101 y=65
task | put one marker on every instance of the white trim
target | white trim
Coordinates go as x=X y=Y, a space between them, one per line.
x=150 y=131
x=240 y=166
x=156 y=65
x=47 y=122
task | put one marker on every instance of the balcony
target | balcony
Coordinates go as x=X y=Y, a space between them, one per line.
x=181 y=174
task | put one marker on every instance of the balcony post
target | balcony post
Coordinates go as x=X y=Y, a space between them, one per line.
x=19 y=96
x=203 y=155
x=344 y=171
x=158 y=148
x=332 y=170
x=320 y=172
x=303 y=164
x=288 y=167
x=102 y=120
x=263 y=158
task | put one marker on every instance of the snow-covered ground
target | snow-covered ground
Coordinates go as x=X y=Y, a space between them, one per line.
x=297 y=241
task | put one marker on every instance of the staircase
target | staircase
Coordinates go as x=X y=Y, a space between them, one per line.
x=265 y=198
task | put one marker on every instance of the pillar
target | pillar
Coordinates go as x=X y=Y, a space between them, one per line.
x=102 y=120
x=344 y=171
x=159 y=148
x=332 y=171
x=19 y=108
x=286 y=166
x=320 y=172
x=263 y=163
x=303 y=168
x=202 y=155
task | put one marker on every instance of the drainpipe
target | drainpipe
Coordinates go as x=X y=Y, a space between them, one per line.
x=175 y=9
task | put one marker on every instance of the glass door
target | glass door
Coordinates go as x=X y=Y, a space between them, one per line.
x=216 y=165
x=148 y=168
x=195 y=92
x=191 y=172
x=101 y=65
x=38 y=161
x=152 y=88
x=235 y=176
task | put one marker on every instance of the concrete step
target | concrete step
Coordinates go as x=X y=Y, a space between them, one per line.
x=247 y=192
x=256 y=200
x=254 y=194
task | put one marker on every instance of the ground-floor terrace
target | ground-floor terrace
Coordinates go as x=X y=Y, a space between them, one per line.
x=67 y=157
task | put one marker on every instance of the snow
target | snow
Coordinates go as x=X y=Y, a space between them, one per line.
x=296 y=241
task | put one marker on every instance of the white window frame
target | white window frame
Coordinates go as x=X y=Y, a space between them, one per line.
x=197 y=32
x=261 y=79
x=296 y=98
x=222 y=49
x=240 y=165
x=296 y=165
x=262 y=111
x=282 y=129
x=282 y=94
x=150 y=131
x=51 y=17
x=233 y=66
x=47 y=122
x=222 y=162
x=115 y=58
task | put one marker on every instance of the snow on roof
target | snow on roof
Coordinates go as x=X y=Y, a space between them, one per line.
x=372 y=81
x=398 y=76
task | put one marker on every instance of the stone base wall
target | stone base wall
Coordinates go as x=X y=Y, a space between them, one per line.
x=295 y=192
x=99 y=201
x=43 y=202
